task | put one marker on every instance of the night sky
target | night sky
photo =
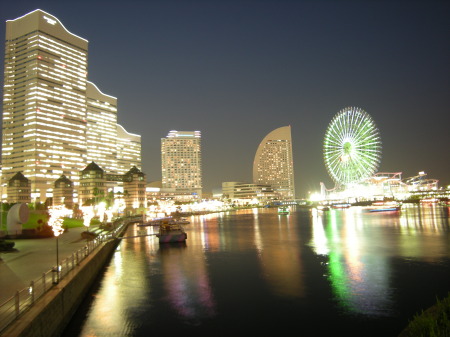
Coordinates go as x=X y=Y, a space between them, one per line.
x=236 y=70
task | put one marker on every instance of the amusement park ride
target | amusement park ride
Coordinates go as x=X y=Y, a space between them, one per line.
x=352 y=154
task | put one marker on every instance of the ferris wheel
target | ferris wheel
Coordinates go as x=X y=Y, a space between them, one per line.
x=352 y=146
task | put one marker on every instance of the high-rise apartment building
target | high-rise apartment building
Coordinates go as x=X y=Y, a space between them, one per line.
x=274 y=165
x=54 y=120
x=182 y=162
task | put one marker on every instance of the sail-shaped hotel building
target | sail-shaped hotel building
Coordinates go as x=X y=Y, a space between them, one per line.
x=274 y=164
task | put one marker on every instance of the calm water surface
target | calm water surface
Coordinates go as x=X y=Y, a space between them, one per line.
x=337 y=273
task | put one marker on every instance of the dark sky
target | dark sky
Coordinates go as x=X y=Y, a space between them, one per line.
x=236 y=70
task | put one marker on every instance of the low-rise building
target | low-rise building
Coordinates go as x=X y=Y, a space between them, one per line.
x=19 y=189
x=134 y=183
x=245 y=192
x=92 y=184
x=63 y=192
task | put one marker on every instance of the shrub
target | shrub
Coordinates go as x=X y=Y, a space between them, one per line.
x=6 y=245
x=434 y=322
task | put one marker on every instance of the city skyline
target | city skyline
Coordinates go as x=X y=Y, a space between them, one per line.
x=237 y=70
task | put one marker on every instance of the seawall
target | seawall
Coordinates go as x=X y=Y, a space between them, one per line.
x=53 y=311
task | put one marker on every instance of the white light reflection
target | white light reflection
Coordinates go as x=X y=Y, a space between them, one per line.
x=319 y=239
x=257 y=232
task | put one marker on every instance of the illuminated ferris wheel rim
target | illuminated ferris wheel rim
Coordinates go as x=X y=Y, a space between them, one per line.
x=352 y=146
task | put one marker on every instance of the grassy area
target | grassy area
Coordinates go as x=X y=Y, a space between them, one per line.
x=35 y=217
x=433 y=322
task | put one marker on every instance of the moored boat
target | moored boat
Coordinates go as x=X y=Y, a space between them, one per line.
x=171 y=232
x=340 y=205
x=283 y=210
x=390 y=206
x=154 y=222
x=182 y=221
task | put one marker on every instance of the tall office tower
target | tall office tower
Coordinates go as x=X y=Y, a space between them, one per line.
x=182 y=162
x=128 y=150
x=274 y=165
x=101 y=134
x=44 y=102
x=54 y=120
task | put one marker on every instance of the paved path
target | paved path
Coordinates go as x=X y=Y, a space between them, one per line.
x=33 y=257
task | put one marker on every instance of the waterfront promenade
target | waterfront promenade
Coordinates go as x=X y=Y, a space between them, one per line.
x=33 y=257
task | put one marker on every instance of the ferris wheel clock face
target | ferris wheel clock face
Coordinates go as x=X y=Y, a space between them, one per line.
x=352 y=146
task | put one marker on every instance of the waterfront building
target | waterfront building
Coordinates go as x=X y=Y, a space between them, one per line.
x=182 y=162
x=274 y=165
x=155 y=192
x=19 y=189
x=63 y=192
x=54 y=120
x=245 y=192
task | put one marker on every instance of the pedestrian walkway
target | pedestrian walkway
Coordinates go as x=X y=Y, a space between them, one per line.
x=33 y=257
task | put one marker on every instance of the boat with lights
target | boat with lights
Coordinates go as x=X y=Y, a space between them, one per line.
x=340 y=205
x=283 y=210
x=389 y=206
x=171 y=232
x=182 y=221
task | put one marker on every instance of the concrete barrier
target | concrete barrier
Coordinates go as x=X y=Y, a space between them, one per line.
x=53 y=311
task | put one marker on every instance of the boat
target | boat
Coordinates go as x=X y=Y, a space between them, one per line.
x=340 y=205
x=283 y=210
x=182 y=221
x=154 y=222
x=429 y=201
x=390 y=206
x=170 y=231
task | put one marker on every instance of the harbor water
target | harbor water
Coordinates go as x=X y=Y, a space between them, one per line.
x=345 y=272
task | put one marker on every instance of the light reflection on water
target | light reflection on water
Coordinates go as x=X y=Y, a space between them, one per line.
x=254 y=268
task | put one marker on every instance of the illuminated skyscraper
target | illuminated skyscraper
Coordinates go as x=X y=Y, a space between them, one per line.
x=274 y=165
x=44 y=102
x=128 y=150
x=54 y=121
x=109 y=145
x=182 y=162
x=101 y=133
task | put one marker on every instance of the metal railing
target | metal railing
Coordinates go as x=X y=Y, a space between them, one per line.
x=23 y=299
